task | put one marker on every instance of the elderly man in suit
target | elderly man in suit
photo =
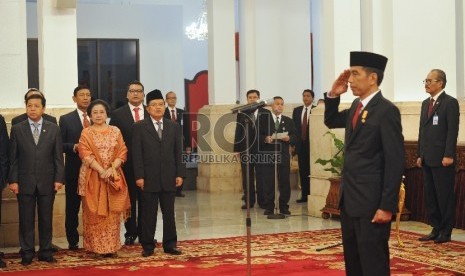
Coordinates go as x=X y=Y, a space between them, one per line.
x=71 y=125
x=437 y=142
x=158 y=169
x=3 y=168
x=175 y=115
x=373 y=164
x=301 y=116
x=23 y=116
x=124 y=118
x=36 y=174
x=269 y=125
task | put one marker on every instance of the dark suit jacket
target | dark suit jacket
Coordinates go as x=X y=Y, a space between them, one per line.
x=179 y=115
x=373 y=157
x=267 y=128
x=23 y=117
x=36 y=166
x=3 y=153
x=71 y=128
x=157 y=162
x=297 y=119
x=239 y=137
x=438 y=141
x=122 y=119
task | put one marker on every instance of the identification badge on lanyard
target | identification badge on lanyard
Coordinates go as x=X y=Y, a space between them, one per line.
x=435 y=119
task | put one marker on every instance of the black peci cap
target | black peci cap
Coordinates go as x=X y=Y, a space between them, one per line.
x=367 y=59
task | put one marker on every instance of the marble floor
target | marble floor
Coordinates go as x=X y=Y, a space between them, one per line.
x=202 y=215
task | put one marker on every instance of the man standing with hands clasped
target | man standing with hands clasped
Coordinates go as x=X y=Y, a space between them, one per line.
x=373 y=164
x=158 y=170
x=36 y=174
x=437 y=142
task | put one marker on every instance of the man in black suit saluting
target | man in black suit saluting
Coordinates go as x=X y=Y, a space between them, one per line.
x=71 y=126
x=36 y=174
x=123 y=118
x=437 y=142
x=158 y=170
x=373 y=164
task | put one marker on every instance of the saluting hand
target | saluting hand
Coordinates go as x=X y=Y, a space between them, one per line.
x=340 y=85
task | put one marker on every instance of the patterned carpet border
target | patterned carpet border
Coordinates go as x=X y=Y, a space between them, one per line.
x=415 y=257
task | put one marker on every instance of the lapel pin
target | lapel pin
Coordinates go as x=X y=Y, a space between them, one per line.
x=364 y=116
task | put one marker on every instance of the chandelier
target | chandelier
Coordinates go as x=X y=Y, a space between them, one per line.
x=199 y=29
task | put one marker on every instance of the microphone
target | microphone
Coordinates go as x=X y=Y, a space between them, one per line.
x=251 y=107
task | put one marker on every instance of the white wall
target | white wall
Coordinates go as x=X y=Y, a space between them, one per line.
x=167 y=56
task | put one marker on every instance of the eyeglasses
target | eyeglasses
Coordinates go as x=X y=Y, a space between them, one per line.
x=171 y=98
x=429 y=81
x=133 y=91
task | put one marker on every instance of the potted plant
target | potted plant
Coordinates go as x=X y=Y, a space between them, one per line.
x=336 y=163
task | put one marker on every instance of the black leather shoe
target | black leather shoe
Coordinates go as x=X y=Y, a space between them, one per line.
x=49 y=259
x=285 y=212
x=147 y=253
x=431 y=236
x=180 y=195
x=73 y=247
x=26 y=261
x=129 y=240
x=55 y=249
x=2 y=264
x=268 y=212
x=301 y=200
x=173 y=251
x=442 y=238
x=243 y=207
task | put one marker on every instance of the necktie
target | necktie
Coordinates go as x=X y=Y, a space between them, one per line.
x=430 y=107
x=173 y=116
x=304 y=126
x=36 y=133
x=136 y=114
x=276 y=124
x=356 y=114
x=86 y=122
x=159 y=130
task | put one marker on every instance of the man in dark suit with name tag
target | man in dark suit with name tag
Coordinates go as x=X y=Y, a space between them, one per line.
x=71 y=126
x=373 y=164
x=437 y=142
x=36 y=174
x=124 y=118
x=158 y=170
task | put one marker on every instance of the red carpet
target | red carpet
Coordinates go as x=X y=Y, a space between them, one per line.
x=287 y=254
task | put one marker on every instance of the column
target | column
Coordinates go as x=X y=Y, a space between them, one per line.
x=221 y=52
x=13 y=53
x=217 y=171
x=275 y=53
x=57 y=34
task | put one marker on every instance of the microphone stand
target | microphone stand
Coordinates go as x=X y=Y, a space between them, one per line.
x=276 y=214
x=248 y=221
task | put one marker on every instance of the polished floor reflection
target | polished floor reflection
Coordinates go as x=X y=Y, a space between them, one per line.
x=202 y=215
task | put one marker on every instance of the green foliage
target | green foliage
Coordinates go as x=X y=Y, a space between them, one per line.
x=337 y=161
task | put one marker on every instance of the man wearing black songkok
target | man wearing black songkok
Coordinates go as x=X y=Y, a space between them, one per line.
x=373 y=164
